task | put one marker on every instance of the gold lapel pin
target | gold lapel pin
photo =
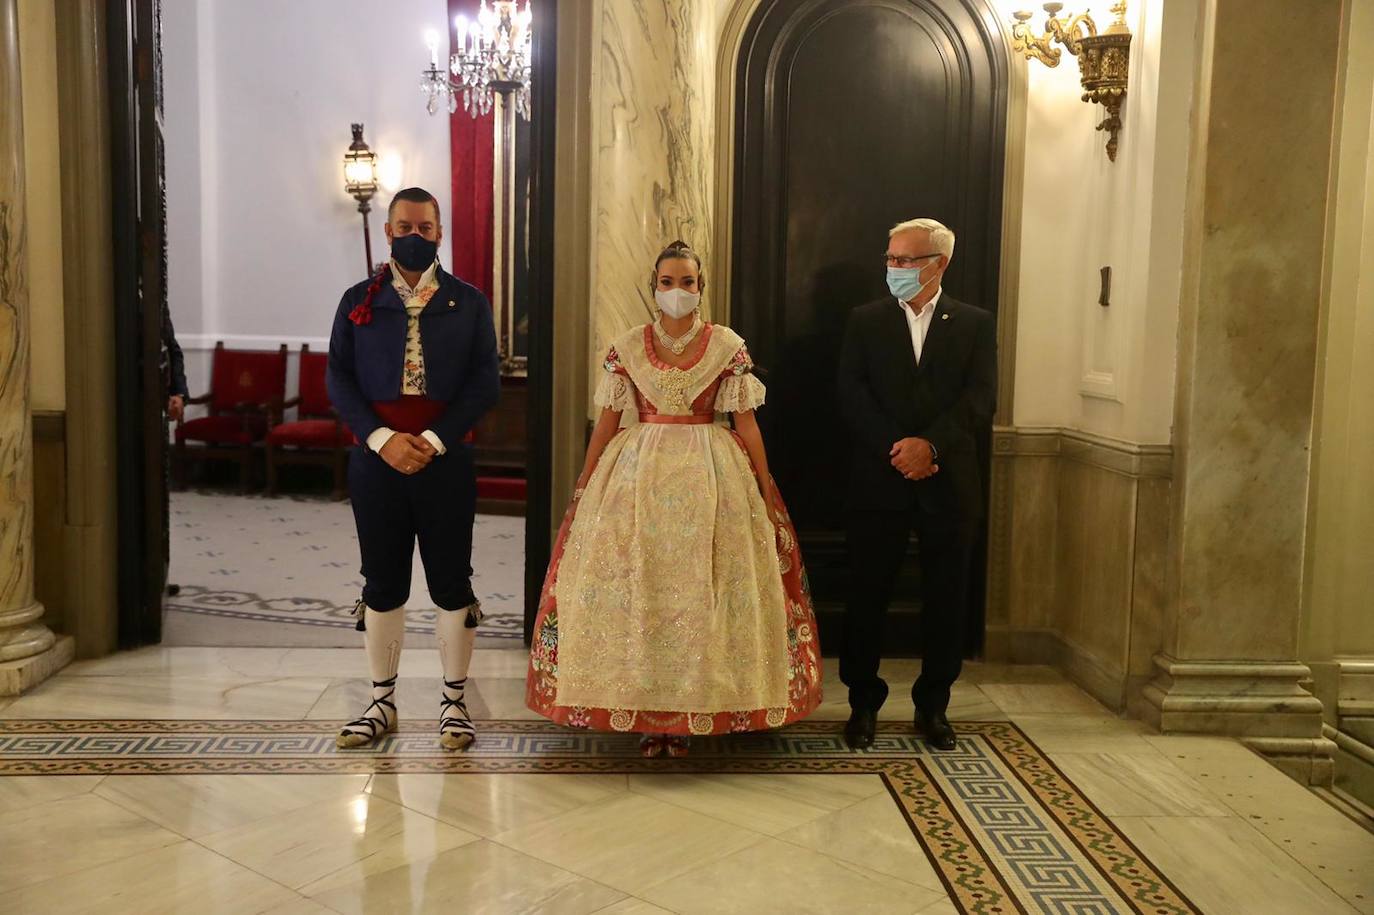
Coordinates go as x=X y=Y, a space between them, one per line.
x=943 y=317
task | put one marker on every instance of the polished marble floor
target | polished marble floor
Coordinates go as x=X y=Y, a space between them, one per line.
x=1231 y=832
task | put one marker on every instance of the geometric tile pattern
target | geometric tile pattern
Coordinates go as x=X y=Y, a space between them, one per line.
x=1006 y=830
x=294 y=560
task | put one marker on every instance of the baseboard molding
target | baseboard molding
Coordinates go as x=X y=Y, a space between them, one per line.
x=1133 y=459
x=1354 y=762
x=1264 y=704
x=1104 y=683
x=49 y=426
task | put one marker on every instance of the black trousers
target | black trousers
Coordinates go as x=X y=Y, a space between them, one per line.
x=392 y=510
x=877 y=546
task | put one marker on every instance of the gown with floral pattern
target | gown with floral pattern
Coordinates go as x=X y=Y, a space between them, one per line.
x=672 y=605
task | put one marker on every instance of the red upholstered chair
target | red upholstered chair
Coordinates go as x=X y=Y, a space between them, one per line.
x=245 y=387
x=318 y=437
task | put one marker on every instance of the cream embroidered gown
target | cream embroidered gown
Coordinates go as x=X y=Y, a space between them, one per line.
x=672 y=605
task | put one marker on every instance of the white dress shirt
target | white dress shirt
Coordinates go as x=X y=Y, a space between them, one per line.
x=412 y=380
x=919 y=322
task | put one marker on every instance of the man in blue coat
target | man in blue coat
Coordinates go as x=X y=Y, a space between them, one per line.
x=412 y=367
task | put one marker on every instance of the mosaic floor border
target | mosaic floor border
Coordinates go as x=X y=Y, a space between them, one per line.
x=1006 y=830
x=498 y=629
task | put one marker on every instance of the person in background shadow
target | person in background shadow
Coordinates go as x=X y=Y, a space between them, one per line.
x=918 y=381
x=173 y=368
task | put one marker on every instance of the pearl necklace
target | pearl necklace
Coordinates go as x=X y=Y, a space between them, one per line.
x=678 y=345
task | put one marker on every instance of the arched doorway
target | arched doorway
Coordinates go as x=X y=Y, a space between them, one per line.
x=849 y=116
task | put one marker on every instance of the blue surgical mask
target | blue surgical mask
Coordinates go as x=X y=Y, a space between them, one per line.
x=414 y=252
x=905 y=282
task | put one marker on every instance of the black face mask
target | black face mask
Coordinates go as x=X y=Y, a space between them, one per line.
x=414 y=252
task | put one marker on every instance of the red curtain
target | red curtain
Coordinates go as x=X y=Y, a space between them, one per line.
x=471 y=153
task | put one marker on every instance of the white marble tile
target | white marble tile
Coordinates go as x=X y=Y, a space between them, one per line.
x=499 y=698
x=630 y=843
x=1138 y=784
x=169 y=697
x=1334 y=849
x=872 y=834
x=481 y=877
x=259 y=663
x=794 y=880
x=19 y=791
x=1087 y=734
x=769 y=804
x=417 y=699
x=182 y=877
x=197 y=805
x=632 y=906
x=335 y=843
x=299 y=906
x=980 y=672
x=1224 y=865
x=492 y=804
x=157 y=660
x=63 y=837
x=1043 y=699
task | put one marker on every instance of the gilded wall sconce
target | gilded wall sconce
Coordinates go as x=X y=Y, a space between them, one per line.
x=1104 y=60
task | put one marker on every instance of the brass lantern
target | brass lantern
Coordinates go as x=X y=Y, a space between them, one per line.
x=1104 y=60
x=360 y=182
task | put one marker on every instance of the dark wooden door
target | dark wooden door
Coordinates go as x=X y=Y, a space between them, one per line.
x=851 y=116
x=139 y=216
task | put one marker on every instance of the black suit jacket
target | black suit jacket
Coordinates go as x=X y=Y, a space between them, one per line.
x=948 y=400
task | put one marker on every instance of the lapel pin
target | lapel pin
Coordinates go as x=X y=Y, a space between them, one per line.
x=943 y=317
x=450 y=303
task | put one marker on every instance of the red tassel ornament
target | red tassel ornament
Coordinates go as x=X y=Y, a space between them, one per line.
x=362 y=313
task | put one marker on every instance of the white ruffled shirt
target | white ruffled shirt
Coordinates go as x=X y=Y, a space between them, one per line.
x=415 y=298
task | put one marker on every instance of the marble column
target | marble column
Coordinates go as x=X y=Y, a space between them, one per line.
x=29 y=651
x=1247 y=365
x=653 y=176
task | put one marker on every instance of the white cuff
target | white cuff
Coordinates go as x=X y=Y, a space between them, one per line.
x=429 y=436
x=379 y=437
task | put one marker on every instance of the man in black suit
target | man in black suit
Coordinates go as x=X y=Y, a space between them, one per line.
x=917 y=382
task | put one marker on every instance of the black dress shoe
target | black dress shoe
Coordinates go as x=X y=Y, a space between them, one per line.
x=936 y=728
x=858 y=731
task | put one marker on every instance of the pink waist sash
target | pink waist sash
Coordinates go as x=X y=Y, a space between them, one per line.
x=658 y=419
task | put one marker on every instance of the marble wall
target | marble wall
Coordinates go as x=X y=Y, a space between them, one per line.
x=16 y=454
x=29 y=652
x=42 y=181
x=1077 y=577
x=653 y=172
x=1247 y=372
x=1338 y=622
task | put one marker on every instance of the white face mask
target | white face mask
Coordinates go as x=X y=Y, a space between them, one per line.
x=677 y=303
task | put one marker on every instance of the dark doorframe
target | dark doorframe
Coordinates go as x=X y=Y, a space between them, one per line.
x=138 y=226
x=851 y=115
x=539 y=428
x=138 y=230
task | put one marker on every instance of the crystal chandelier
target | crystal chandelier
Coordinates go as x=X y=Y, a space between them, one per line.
x=492 y=55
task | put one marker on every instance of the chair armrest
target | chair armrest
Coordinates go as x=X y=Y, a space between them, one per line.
x=276 y=409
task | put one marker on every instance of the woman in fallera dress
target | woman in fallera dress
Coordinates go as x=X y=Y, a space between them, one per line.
x=676 y=602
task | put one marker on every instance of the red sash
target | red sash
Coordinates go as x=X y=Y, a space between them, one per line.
x=411 y=414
